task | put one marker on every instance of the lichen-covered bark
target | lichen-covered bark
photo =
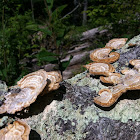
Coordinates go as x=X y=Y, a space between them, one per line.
x=3 y=91
x=132 y=53
x=77 y=118
x=110 y=129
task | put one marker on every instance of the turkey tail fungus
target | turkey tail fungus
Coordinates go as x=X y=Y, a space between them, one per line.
x=19 y=130
x=30 y=86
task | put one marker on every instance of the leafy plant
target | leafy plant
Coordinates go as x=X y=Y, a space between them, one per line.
x=49 y=57
x=54 y=32
x=44 y=55
x=14 y=43
x=120 y=16
x=53 y=28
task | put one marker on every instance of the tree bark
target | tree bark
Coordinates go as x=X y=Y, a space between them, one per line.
x=32 y=7
x=84 y=12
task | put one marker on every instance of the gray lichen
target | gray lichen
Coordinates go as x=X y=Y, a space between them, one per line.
x=123 y=62
x=3 y=86
x=3 y=121
x=68 y=123
x=83 y=79
x=135 y=41
x=3 y=91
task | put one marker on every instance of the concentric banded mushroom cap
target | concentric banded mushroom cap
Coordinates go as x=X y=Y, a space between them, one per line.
x=118 y=89
x=100 y=68
x=128 y=72
x=31 y=86
x=135 y=63
x=55 y=78
x=34 y=80
x=104 y=55
x=104 y=99
x=19 y=130
x=132 y=83
x=109 y=96
x=113 y=78
x=116 y=43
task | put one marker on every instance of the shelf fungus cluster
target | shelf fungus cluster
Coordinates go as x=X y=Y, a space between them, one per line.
x=102 y=58
x=116 y=43
x=104 y=55
x=19 y=130
x=30 y=86
x=130 y=80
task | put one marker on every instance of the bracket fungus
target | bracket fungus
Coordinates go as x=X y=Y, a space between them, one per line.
x=19 y=130
x=108 y=97
x=135 y=63
x=31 y=86
x=102 y=58
x=128 y=72
x=133 y=82
x=100 y=68
x=104 y=69
x=130 y=81
x=104 y=55
x=113 y=78
x=116 y=43
x=55 y=78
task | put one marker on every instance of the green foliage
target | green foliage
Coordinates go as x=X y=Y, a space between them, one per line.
x=49 y=57
x=120 y=16
x=63 y=65
x=44 y=55
x=54 y=30
x=40 y=27
x=20 y=35
x=14 y=43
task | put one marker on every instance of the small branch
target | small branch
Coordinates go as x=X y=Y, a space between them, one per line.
x=71 y=11
x=48 y=11
x=84 y=12
x=32 y=7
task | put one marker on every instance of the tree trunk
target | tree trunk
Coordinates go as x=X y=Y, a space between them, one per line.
x=84 y=12
x=32 y=7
